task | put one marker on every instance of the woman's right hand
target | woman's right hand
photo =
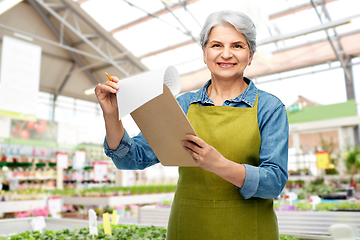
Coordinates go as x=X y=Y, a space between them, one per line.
x=106 y=95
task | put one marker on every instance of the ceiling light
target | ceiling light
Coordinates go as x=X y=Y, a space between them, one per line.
x=7 y=4
x=355 y=21
x=89 y=91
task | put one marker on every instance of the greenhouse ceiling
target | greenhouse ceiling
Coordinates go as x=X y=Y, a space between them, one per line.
x=82 y=39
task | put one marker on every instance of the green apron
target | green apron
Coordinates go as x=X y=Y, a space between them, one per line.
x=208 y=207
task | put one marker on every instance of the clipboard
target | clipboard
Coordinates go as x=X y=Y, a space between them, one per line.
x=164 y=125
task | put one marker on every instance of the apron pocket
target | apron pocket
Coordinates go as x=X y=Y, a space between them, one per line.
x=209 y=219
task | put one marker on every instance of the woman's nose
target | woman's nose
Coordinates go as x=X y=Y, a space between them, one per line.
x=226 y=53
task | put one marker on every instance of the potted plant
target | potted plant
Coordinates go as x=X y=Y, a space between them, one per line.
x=352 y=161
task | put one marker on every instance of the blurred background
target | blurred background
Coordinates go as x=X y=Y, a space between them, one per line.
x=54 y=52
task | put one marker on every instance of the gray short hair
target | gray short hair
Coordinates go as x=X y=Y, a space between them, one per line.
x=239 y=20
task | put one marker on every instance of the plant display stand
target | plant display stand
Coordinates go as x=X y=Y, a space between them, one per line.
x=21 y=206
x=313 y=224
x=119 y=200
x=301 y=224
x=152 y=215
x=14 y=226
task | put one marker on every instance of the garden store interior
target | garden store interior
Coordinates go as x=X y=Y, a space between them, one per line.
x=54 y=53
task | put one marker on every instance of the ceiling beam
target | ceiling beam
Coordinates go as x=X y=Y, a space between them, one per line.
x=176 y=6
x=317 y=28
x=312 y=71
x=339 y=36
x=151 y=16
x=179 y=21
x=188 y=83
x=62 y=85
x=339 y=57
x=103 y=34
x=79 y=34
x=272 y=39
x=296 y=9
x=56 y=32
x=56 y=44
x=168 y=49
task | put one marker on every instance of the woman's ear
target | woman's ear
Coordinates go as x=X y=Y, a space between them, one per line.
x=251 y=56
x=204 y=54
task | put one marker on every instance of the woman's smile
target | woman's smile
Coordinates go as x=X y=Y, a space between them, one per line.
x=226 y=65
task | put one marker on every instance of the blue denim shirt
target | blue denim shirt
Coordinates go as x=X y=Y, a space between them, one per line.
x=264 y=181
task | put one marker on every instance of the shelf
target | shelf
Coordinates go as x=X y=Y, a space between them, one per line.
x=119 y=200
x=153 y=216
x=34 y=178
x=88 y=181
x=302 y=177
x=21 y=206
x=14 y=226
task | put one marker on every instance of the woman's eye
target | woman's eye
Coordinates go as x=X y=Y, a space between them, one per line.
x=216 y=45
x=237 y=46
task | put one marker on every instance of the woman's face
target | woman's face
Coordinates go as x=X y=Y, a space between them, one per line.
x=227 y=53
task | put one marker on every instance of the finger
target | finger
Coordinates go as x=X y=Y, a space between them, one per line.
x=108 y=89
x=115 y=79
x=112 y=84
x=196 y=140
x=188 y=147
x=97 y=89
x=191 y=147
x=193 y=154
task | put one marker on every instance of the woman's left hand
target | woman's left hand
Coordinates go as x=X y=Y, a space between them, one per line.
x=210 y=159
x=204 y=155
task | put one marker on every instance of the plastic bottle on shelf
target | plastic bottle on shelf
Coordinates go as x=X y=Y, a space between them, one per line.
x=45 y=172
x=86 y=175
x=80 y=175
x=14 y=173
x=65 y=176
x=38 y=173
x=37 y=185
x=26 y=173
x=20 y=173
x=24 y=185
x=51 y=173
x=91 y=175
x=73 y=175
x=32 y=173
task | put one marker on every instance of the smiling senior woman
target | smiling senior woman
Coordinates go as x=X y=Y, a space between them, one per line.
x=241 y=144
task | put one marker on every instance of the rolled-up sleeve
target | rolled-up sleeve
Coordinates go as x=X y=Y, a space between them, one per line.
x=132 y=154
x=122 y=150
x=251 y=181
x=269 y=178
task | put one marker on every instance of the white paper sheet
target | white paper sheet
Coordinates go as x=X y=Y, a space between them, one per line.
x=139 y=89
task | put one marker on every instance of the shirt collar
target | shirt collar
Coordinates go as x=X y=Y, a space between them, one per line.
x=248 y=96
